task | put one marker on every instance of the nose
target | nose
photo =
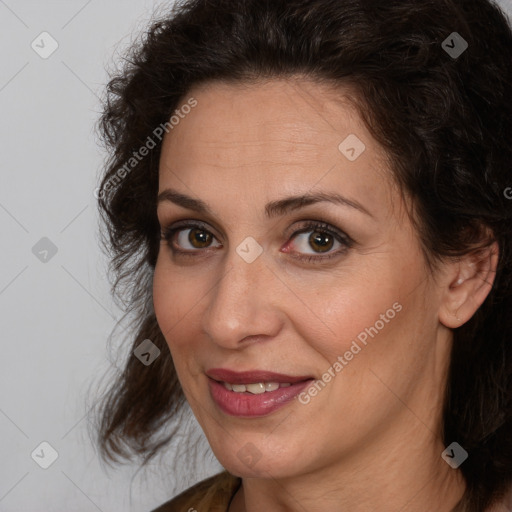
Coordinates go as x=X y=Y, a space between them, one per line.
x=243 y=305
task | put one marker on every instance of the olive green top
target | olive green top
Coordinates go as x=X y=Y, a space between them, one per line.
x=211 y=495
x=215 y=494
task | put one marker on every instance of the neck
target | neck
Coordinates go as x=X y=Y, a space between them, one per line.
x=412 y=478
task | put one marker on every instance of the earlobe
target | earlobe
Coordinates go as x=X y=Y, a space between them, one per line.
x=467 y=287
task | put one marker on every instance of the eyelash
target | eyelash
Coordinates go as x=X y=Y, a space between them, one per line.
x=322 y=227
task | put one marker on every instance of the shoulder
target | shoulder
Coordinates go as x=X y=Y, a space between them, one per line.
x=210 y=495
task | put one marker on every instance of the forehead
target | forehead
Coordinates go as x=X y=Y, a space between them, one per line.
x=292 y=135
x=280 y=113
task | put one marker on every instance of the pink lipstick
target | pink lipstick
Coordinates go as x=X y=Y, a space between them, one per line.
x=253 y=393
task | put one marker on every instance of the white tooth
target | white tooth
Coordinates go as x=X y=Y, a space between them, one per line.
x=227 y=385
x=285 y=384
x=239 y=388
x=256 y=389
x=271 y=386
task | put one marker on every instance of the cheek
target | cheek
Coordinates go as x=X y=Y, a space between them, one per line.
x=173 y=300
x=179 y=298
x=377 y=333
x=335 y=310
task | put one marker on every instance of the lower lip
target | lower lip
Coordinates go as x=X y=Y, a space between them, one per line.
x=249 y=405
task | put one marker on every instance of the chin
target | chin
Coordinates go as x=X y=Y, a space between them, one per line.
x=250 y=462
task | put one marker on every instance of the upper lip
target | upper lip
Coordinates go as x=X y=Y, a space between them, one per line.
x=252 y=376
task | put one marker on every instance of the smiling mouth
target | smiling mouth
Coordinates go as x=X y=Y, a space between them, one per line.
x=250 y=378
x=256 y=388
x=253 y=393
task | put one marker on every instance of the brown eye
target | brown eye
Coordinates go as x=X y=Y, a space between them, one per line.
x=199 y=239
x=189 y=238
x=321 y=242
x=317 y=242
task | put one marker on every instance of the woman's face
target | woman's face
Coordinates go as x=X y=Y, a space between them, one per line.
x=259 y=287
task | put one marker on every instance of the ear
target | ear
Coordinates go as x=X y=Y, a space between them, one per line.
x=467 y=284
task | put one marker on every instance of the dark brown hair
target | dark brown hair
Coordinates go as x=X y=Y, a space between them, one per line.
x=445 y=121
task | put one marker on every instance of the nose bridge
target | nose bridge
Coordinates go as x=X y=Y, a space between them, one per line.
x=239 y=303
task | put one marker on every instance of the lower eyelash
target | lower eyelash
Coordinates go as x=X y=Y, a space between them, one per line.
x=311 y=257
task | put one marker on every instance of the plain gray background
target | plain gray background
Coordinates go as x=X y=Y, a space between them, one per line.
x=56 y=310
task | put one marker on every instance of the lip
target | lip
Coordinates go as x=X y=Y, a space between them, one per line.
x=252 y=376
x=246 y=404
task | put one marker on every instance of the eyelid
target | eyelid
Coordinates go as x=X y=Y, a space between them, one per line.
x=191 y=223
x=340 y=236
x=318 y=222
x=168 y=233
x=345 y=241
x=320 y=225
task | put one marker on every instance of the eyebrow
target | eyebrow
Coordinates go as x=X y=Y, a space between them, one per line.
x=272 y=209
